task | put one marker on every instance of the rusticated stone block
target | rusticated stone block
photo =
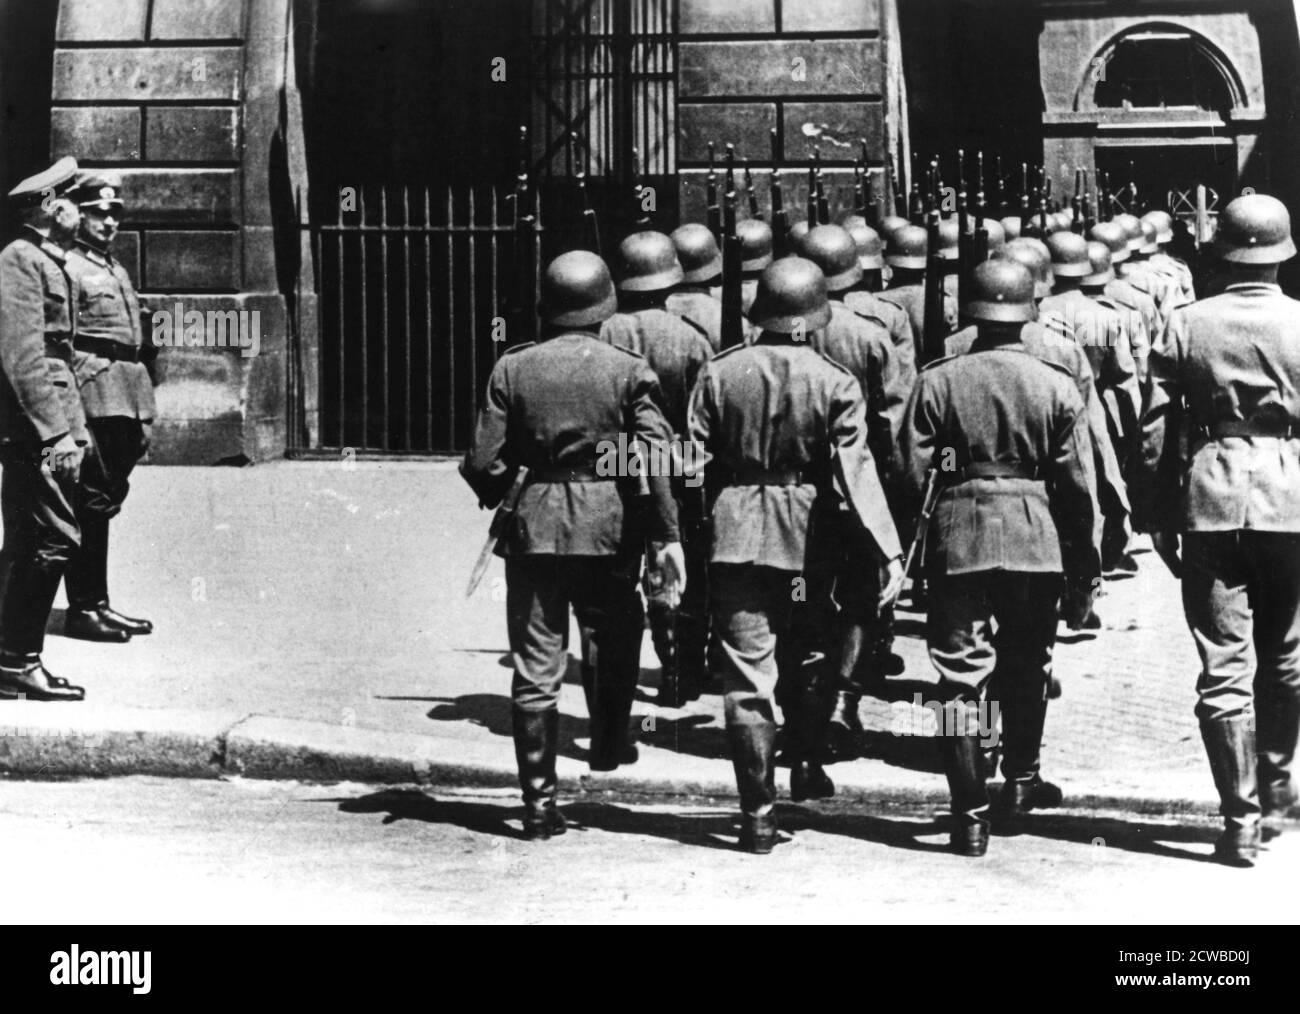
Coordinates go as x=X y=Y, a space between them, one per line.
x=726 y=16
x=96 y=133
x=148 y=74
x=191 y=261
x=786 y=67
x=830 y=16
x=183 y=196
x=744 y=124
x=836 y=128
x=192 y=134
x=101 y=20
x=197 y=19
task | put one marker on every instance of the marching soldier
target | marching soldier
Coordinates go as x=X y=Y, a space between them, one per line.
x=1004 y=436
x=556 y=408
x=905 y=253
x=783 y=430
x=755 y=255
x=1139 y=272
x=1144 y=317
x=675 y=350
x=863 y=299
x=42 y=429
x=701 y=262
x=864 y=347
x=1226 y=378
x=117 y=395
x=1164 y=261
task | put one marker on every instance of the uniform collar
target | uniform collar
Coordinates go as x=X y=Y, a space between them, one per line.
x=1253 y=287
x=96 y=254
x=47 y=245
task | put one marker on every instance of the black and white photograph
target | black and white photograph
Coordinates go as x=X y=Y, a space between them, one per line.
x=672 y=462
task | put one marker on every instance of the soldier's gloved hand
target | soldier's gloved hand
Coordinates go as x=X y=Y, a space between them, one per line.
x=63 y=459
x=891 y=581
x=670 y=562
x=1166 y=544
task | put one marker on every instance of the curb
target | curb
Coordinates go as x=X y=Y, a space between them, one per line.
x=60 y=741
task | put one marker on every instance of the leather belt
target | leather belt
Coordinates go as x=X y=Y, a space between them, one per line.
x=771 y=477
x=56 y=348
x=557 y=473
x=1282 y=429
x=106 y=348
x=992 y=470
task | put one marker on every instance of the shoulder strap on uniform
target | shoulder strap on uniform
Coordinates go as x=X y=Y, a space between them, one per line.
x=518 y=348
x=701 y=329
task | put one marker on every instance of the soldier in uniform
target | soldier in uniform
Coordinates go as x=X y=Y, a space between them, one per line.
x=647 y=270
x=1164 y=261
x=1006 y=435
x=117 y=395
x=557 y=407
x=42 y=429
x=1226 y=382
x=864 y=347
x=755 y=238
x=783 y=431
x=1144 y=317
x=863 y=299
x=905 y=253
x=1139 y=272
x=701 y=262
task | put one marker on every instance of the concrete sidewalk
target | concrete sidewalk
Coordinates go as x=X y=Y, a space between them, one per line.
x=312 y=623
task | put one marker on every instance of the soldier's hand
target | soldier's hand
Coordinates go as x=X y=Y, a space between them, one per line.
x=63 y=458
x=892 y=584
x=1166 y=544
x=670 y=562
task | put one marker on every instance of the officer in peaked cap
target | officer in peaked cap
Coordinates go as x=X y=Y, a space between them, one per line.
x=647 y=270
x=1220 y=469
x=42 y=429
x=117 y=395
x=555 y=407
x=783 y=430
x=701 y=261
x=1017 y=500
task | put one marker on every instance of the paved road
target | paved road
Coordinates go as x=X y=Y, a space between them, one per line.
x=149 y=850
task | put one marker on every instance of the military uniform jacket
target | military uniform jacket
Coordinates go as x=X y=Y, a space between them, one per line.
x=779 y=406
x=1103 y=331
x=911 y=298
x=1144 y=321
x=1002 y=405
x=863 y=347
x=674 y=349
x=38 y=397
x=563 y=404
x=1179 y=271
x=1050 y=340
x=702 y=310
x=1231 y=358
x=896 y=322
x=108 y=310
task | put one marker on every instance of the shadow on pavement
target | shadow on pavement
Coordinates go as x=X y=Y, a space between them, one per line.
x=701 y=829
x=1130 y=835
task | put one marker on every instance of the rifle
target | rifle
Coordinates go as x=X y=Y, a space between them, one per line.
x=754 y=211
x=928 y=502
x=590 y=233
x=964 y=238
x=640 y=216
x=980 y=244
x=812 y=188
x=894 y=196
x=525 y=238
x=497 y=530
x=733 y=300
x=998 y=195
x=823 y=207
x=1044 y=192
x=916 y=211
x=1104 y=208
x=714 y=210
x=1089 y=214
x=859 y=189
x=1076 y=202
x=1024 y=195
x=934 y=325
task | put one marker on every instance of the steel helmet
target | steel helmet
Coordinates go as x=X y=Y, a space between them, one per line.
x=755 y=245
x=697 y=252
x=647 y=262
x=1149 y=234
x=1132 y=226
x=1069 y=253
x=1011 y=227
x=1114 y=236
x=791 y=297
x=1164 y=224
x=1002 y=291
x=577 y=291
x=907 y=247
x=871 y=249
x=892 y=223
x=1255 y=229
x=1100 y=270
x=949 y=236
x=1034 y=256
x=832 y=249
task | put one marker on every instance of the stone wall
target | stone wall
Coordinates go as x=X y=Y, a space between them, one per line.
x=188 y=100
x=811 y=69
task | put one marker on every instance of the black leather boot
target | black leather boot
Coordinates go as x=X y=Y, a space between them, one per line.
x=963 y=763
x=806 y=723
x=31 y=681
x=1277 y=725
x=753 y=755
x=1023 y=706
x=844 y=732
x=1230 y=745
x=536 y=740
x=93 y=625
x=133 y=625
